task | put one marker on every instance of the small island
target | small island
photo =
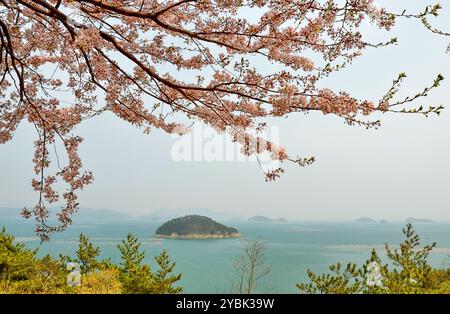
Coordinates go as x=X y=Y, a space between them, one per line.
x=265 y=219
x=370 y=220
x=365 y=220
x=195 y=227
x=418 y=220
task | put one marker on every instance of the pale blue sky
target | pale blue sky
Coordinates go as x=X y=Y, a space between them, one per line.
x=397 y=171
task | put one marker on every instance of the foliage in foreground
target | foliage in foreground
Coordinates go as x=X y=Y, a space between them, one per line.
x=21 y=271
x=408 y=271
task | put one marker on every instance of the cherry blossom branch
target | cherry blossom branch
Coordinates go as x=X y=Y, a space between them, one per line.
x=132 y=58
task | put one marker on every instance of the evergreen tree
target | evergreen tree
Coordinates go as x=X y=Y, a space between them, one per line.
x=22 y=272
x=411 y=272
x=87 y=254
x=16 y=261
x=340 y=280
x=48 y=276
x=163 y=278
x=135 y=276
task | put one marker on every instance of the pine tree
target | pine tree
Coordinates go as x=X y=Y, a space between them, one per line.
x=49 y=276
x=411 y=272
x=87 y=254
x=130 y=250
x=135 y=276
x=163 y=278
x=339 y=280
x=16 y=261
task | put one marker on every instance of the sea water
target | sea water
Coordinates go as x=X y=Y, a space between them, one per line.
x=207 y=264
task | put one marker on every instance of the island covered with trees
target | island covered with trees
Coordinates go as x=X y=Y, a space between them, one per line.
x=195 y=227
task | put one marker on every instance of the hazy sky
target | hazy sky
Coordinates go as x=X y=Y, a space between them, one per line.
x=397 y=171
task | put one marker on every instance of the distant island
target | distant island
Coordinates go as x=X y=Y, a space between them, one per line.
x=418 y=220
x=164 y=214
x=82 y=215
x=265 y=219
x=365 y=220
x=370 y=220
x=195 y=227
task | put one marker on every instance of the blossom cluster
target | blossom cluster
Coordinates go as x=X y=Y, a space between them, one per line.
x=162 y=64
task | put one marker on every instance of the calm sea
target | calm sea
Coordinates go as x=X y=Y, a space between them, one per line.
x=206 y=265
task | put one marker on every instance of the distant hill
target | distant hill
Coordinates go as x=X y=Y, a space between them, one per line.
x=82 y=214
x=195 y=227
x=261 y=218
x=418 y=220
x=99 y=214
x=164 y=214
x=365 y=220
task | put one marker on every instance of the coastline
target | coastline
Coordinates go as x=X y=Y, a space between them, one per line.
x=199 y=236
